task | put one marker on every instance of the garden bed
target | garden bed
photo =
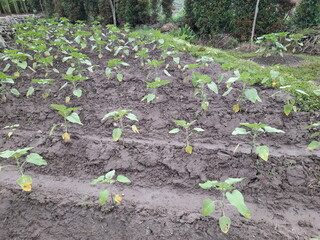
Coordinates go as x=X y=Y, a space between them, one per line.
x=164 y=199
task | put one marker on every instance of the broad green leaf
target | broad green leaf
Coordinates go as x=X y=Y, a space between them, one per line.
x=189 y=149
x=103 y=196
x=208 y=207
x=110 y=174
x=313 y=145
x=97 y=180
x=198 y=129
x=30 y=91
x=123 y=179
x=236 y=199
x=263 y=152
x=254 y=126
x=314 y=134
x=74 y=118
x=24 y=179
x=175 y=130
x=213 y=87
x=7 y=154
x=58 y=107
x=120 y=77
x=77 y=92
x=316 y=92
x=132 y=117
x=15 y=91
x=204 y=105
x=208 y=184
x=18 y=153
x=252 y=95
x=224 y=223
x=238 y=131
x=149 y=97
x=274 y=74
x=70 y=70
x=287 y=109
x=110 y=114
x=36 y=159
x=116 y=134
x=22 y=65
x=272 y=130
x=108 y=72
x=232 y=181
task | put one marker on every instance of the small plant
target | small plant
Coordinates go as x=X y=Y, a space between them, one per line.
x=109 y=178
x=272 y=43
x=256 y=129
x=24 y=180
x=68 y=116
x=4 y=89
x=228 y=192
x=11 y=129
x=155 y=64
x=18 y=58
x=77 y=61
x=142 y=54
x=119 y=116
x=187 y=132
x=44 y=86
x=154 y=86
x=314 y=144
x=113 y=66
x=200 y=82
x=290 y=106
x=75 y=79
x=250 y=94
x=275 y=78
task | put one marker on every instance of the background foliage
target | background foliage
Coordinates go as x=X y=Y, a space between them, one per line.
x=307 y=14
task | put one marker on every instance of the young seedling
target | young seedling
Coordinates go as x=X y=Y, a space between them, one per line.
x=113 y=67
x=142 y=55
x=77 y=61
x=255 y=130
x=18 y=58
x=275 y=78
x=119 y=116
x=24 y=180
x=314 y=144
x=250 y=94
x=75 y=79
x=44 y=86
x=290 y=106
x=11 y=129
x=154 y=86
x=201 y=82
x=187 y=132
x=68 y=116
x=155 y=64
x=4 y=89
x=230 y=194
x=109 y=178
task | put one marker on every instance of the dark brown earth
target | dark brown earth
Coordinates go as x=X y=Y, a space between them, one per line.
x=164 y=199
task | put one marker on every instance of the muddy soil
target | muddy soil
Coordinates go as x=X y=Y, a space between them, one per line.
x=164 y=199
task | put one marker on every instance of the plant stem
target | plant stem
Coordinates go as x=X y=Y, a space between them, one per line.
x=121 y=126
x=222 y=203
x=19 y=166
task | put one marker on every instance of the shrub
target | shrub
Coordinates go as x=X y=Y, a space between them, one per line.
x=307 y=14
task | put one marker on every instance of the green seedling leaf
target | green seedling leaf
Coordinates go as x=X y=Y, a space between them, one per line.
x=123 y=179
x=302 y=92
x=120 y=77
x=25 y=182
x=15 y=91
x=224 y=223
x=208 y=207
x=272 y=130
x=149 y=97
x=167 y=73
x=208 y=184
x=252 y=95
x=109 y=175
x=227 y=92
x=263 y=152
x=213 y=87
x=175 y=130
x=7 y=154
x=70 y=71
x=316 y=134
x=103 y=197
x=232 y=181
x=36 y=159
x=254 y=126
x=116 y=134
x=198 y=129
x=287 y=109
x=22 y=65
x=77 y=92
x=313 y=145
x=189 y=149
x=74 y=118
x=97 y=180
x=132 y=117
x=58 y=107
x=204 y=105
x=238 y=131
x=108 y=72
x=6 y=68
x=53 y=128
x=274 y=74
x=237 y=200
x=316 y=92
x=30 y=91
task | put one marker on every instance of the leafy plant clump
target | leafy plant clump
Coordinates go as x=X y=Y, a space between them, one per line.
x=255 y=130
x=187 y=132
x=119 y=116
x=230 y=194
x=314 y=144
x=68 y=115
x=24 y=180
x=109 y=178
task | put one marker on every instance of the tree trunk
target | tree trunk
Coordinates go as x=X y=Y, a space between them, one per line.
x=254 y=23
x=113 y=9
